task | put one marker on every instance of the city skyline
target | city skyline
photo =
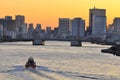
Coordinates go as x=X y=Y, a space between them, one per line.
x=47 y=12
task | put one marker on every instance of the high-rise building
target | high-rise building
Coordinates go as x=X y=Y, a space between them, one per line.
x=20 y=20
x=22 y=33
x=99 y=27
x=94 y=12
x=116 y=24
x=9 y=27
x=114 y=30
x=30 y=30
x=8 y=17
x=48 y=29
x=38 y=27
x=55 y=32
x=1 y=32
x=48 y=32
x=64 y=27
x=3 y=22
x=78 y=28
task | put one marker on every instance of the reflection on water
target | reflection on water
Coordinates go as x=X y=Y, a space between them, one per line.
x=59 y=58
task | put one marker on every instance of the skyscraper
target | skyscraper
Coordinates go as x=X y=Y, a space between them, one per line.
x=99 y=27
x=78 y=28
x=30 y=30
x=48 y=29
x=38 y=27
x=8 y=17
x=1 y=31
x=64 y=27
x=9 y=27
x=20 y=20
x=114 y=30
x=94 y=12
x=22 y=34
x=116 y=24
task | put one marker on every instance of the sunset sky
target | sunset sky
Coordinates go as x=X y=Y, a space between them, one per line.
x=47 y=12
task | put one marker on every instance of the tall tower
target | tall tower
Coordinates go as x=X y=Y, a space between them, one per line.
x=95 y=12
x=38 y=27
x=20 y=20
x=78 y=28
x=64 y=27
x=116 y=24
x=8 y=17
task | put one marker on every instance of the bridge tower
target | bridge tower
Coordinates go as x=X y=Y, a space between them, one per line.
x=76 y=42
x=77 y=31
x=37 y=40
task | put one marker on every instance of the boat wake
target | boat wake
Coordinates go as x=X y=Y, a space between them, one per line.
x=41 y=72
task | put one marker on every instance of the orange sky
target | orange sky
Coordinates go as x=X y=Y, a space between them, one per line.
x=47 y=12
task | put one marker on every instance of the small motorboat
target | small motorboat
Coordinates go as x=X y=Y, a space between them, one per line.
x=30 y=63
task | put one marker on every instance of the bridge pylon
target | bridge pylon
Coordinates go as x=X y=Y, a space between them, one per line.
x=37 y=40
x=76 y=42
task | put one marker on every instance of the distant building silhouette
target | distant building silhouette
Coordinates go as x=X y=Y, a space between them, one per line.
x=99 y=27
x=64 y=27
x=38 y=27
x=94 y=12
x=9 y=27
x=114 y=30
x=116 y=24
x=22 y=32
x=8 y=17
x=20 y=20
x=48 y=29
x=78 y=28
x=30 y=30
x=1 y=31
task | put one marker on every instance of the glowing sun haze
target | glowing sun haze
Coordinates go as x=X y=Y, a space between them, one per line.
x=47 y=12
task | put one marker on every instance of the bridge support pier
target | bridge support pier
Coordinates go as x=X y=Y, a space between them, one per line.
x=38 y=42
x=76 y=43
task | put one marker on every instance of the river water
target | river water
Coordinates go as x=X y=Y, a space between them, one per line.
x=57 y=60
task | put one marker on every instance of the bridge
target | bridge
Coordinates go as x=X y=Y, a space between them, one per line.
x=77 y=41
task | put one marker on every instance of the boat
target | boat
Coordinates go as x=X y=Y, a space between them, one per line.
x=30 y=63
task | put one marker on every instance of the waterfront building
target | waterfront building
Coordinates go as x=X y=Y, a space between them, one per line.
x=11 y=28
x=116 y=24
x=48 y=29
x=114 y=30
x=110 y=29
x=11 y=34
x=8 y=17
x=94 y=12
x=78 y=28
x=1 y=31
x=55 y=33
x=99 y=27
x=8 y=27
x=22 y=32
x=42 y=33
x=30 y=30
x=64 y=27
x=11 y=25
x=48 y=32
x=30 y=27
x=38 y=27
x=20 y=20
